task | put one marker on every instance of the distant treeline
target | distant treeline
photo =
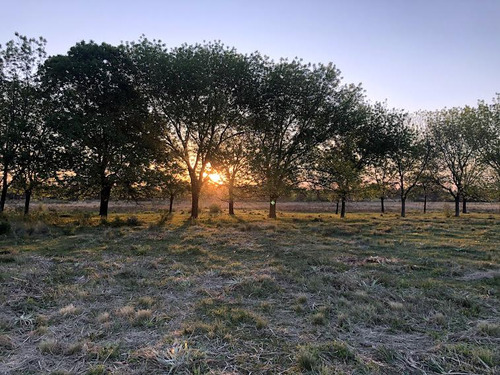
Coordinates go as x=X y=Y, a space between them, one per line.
x=143 y=120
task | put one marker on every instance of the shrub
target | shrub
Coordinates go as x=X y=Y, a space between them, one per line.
x=117 y=222
x=4 y=227
x=132 y=221
x=214 y=209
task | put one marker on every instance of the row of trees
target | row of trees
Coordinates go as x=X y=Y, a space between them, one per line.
x=143 y=119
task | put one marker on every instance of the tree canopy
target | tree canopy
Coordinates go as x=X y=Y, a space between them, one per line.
x=99 y=112
x=143 y=118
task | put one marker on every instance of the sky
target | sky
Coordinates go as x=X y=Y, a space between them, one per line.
x=416 y=54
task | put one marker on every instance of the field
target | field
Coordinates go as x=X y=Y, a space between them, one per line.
x=307 y=293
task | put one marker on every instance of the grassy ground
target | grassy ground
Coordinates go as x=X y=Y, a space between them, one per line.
x=307 y=293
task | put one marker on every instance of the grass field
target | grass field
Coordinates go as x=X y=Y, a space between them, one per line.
x=307 y=293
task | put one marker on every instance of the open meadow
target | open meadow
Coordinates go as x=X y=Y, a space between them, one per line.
x=319 y=196
x=306 y=293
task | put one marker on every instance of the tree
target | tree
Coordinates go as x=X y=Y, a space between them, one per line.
x=380 y=140
x=173 y=186
x=231 y=162
x=426 y=185
x=167 y=180
x=340 y=162
x=457 y=140
x=338 y=168
x=409 y=156
x=102 y=118
x=38 y=158
x=296 y=107
x=19 y=63
x=196 y=93
x=489 y=120
x=383 y=176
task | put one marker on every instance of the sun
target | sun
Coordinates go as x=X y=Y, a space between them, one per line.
x=215 y=178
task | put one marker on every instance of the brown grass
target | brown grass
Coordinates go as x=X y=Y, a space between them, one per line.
x=307 y=293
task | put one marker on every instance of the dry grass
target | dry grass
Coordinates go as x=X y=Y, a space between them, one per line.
x=69 y=310
x=307 y=293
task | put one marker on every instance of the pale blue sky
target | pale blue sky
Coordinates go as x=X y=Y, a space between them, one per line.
x=417 y=54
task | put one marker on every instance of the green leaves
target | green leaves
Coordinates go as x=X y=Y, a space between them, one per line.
x=295 y=108
x=457 y=138
x=25 y=144
x=101 y=115
x=196 y=94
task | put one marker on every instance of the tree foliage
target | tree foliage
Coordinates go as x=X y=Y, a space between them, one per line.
x=489 y=121
x=409 y=154
x=19 y=107
x=296 y=107
x=102 y=117
x=457 y=143
x=196 y=94
x=145 y=120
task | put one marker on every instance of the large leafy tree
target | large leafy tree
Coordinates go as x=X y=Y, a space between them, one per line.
x=102 y=117
x=296 y=107
x=378 y=132
x=339 y=163
x=19 y=104
x=38 y=158
x=196 y=93
x=409 y=155
x=489 y=120
x=458 y=145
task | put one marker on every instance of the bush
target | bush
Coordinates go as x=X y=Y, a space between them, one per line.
x=132 y=221
x=4 y=227
x=117 y=222
x=214 y=209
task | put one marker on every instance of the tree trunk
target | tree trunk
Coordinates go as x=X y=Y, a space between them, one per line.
x=4 y=189
x=195 y=198
x=337 y=208
x=457 y=205
x=171 y=205
x=27 y=199
x=272 y=208
x=382 y=207
x=425 y=203
x=195 y=194
x=231 y=200
x=403 y=207
x=464 y=205
x=105 y=194
x=342 y=209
